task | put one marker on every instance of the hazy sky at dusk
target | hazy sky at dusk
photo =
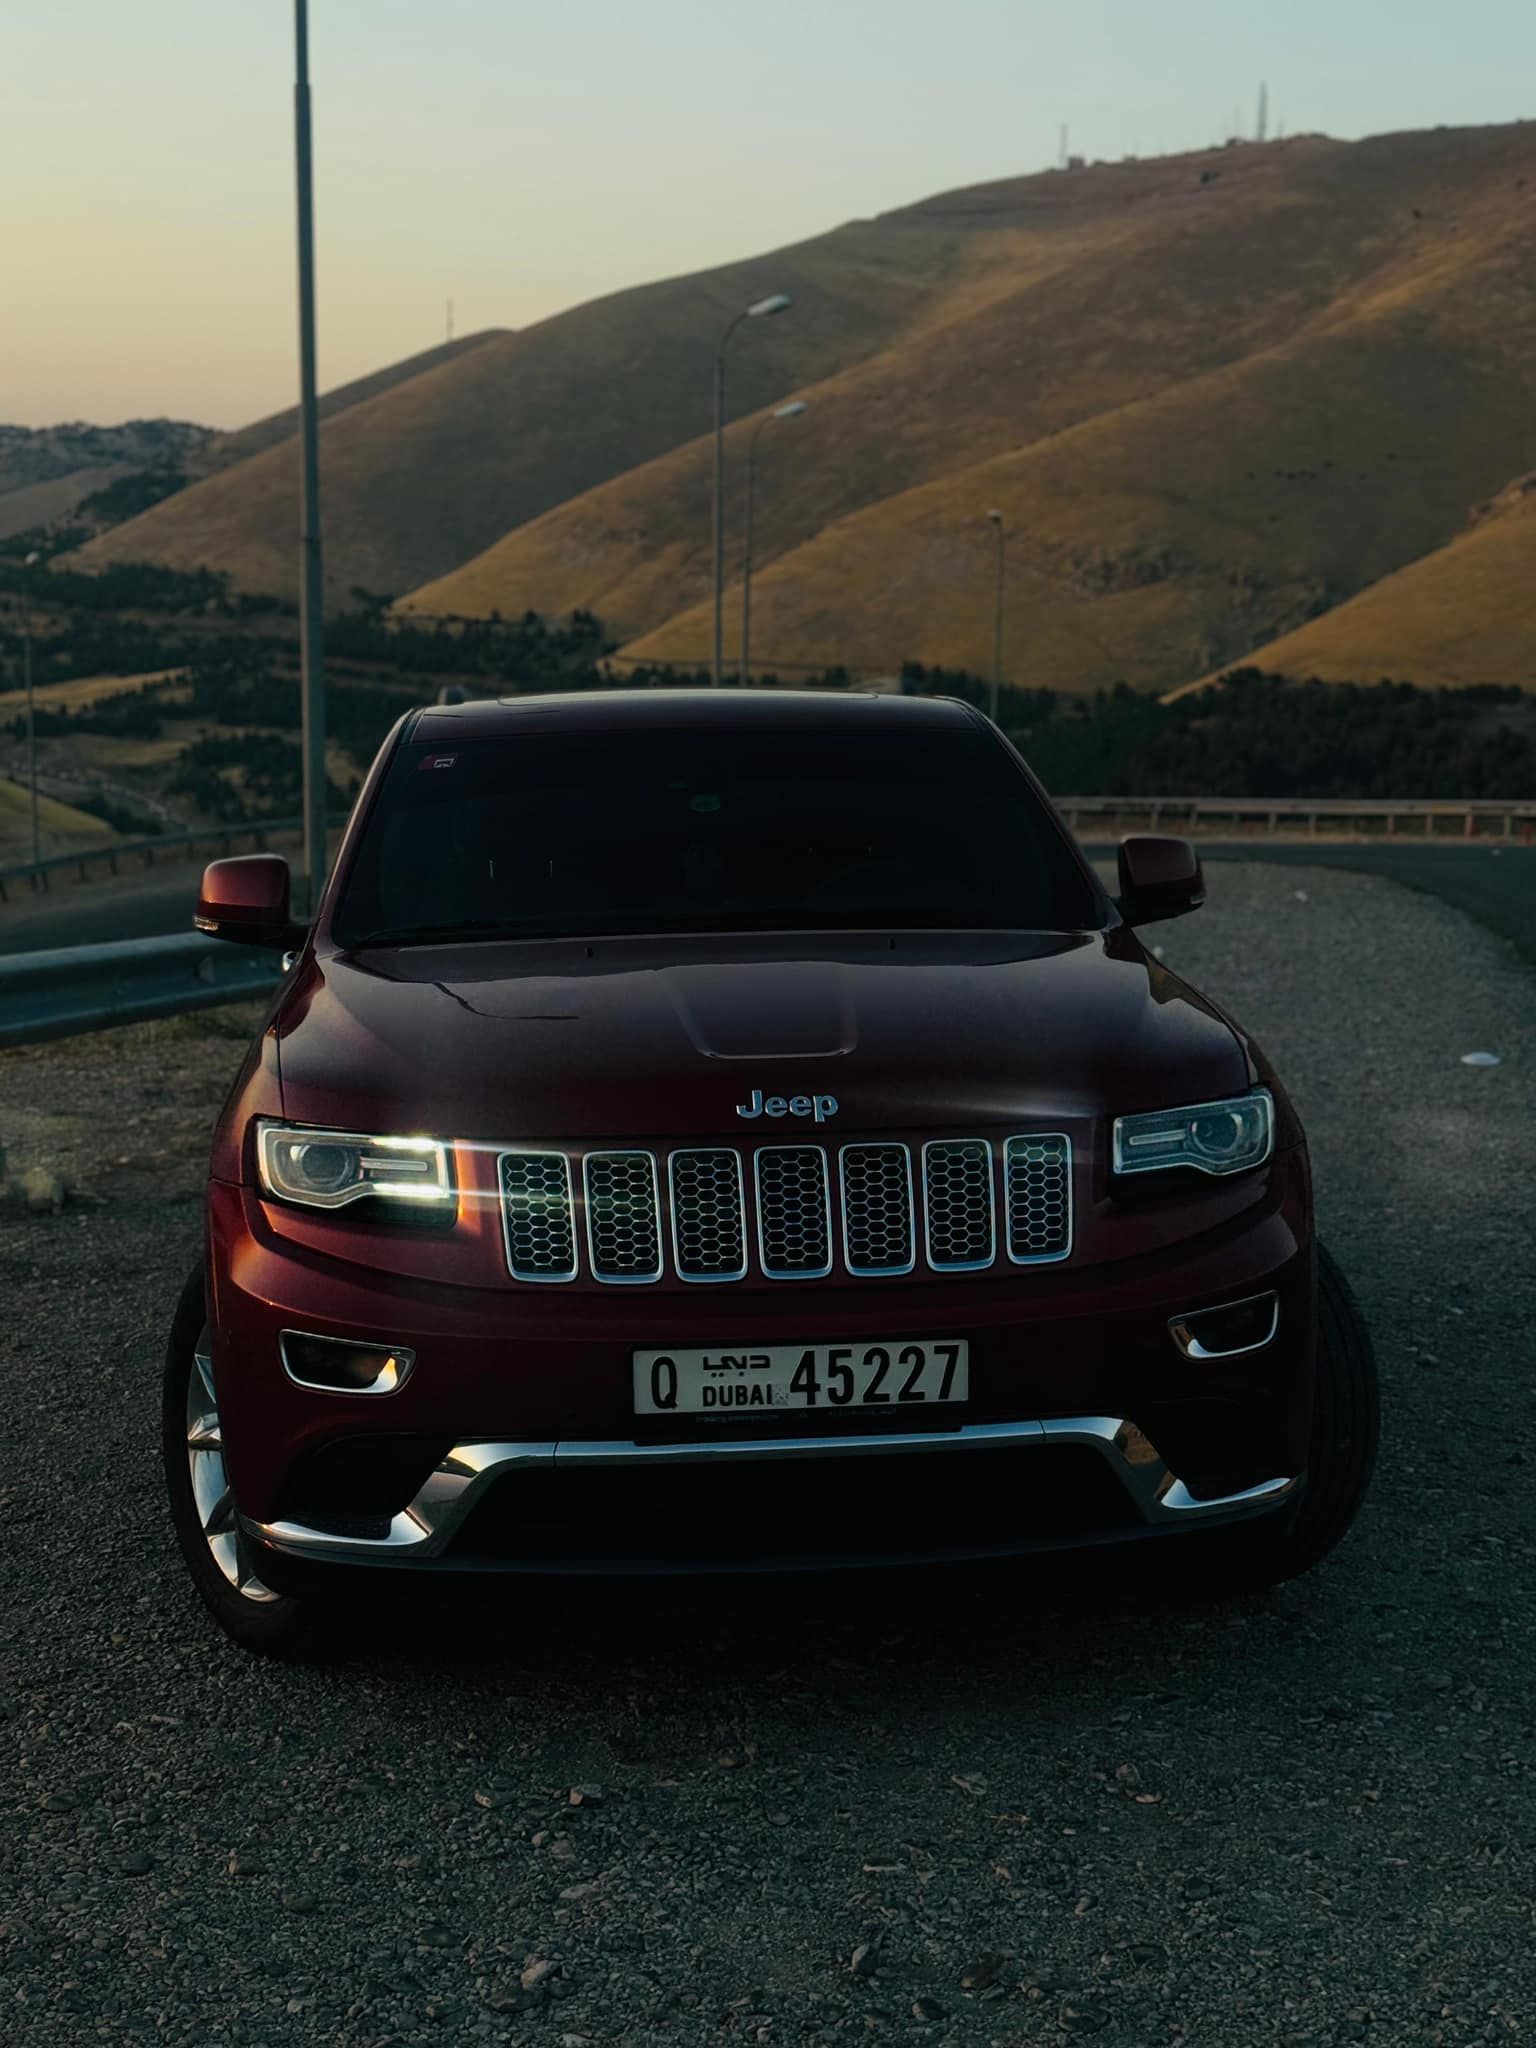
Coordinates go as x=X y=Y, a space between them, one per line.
x=523 y=157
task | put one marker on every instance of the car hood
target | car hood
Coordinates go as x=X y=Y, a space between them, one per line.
x=637 y=1038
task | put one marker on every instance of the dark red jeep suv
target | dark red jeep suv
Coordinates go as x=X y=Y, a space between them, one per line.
x=737 y=1131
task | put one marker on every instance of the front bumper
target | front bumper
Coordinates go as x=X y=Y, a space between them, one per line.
x=512 y=1444
x=427 y=1530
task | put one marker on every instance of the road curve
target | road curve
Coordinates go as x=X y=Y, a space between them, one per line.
x=1004 y=1812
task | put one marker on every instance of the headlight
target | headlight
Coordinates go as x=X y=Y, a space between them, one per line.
x=329 y=1169
x=1212 y=1137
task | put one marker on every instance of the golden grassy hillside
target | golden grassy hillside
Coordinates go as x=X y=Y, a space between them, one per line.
x=1215 y=396
x=279 y=426
x=428 y=473
x=1208 y=407
x=1460 y=615
x=61 y=828
x=37 y=504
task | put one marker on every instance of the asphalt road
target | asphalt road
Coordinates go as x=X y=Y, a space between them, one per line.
x=1006 y=1810
x=1497 y=886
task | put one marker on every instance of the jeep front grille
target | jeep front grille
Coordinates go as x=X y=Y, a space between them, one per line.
x=954 y=1207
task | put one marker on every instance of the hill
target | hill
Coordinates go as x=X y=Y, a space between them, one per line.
x=38 y=455
x=226 y=449
x=40 y=504
x=1214 y=396
x=1259 y=397
x=61 y=828
x=1457 y=616
x=424 y=475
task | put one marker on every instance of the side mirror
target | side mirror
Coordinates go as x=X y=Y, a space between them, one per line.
x=246 y=900
x=1158 y=878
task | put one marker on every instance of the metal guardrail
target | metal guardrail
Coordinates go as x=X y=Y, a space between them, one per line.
x=69 y=989
x=107 y=857
x=1507 y=817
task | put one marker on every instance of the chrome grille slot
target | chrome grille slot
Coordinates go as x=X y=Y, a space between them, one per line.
x=961 y=1230
x=794 y=1212
x=1038 y=1178
x=538 y=1215
x=878 y=1234
x=709 y=1215
x=623 y=1216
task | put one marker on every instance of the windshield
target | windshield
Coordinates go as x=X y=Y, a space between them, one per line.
x=658 y=830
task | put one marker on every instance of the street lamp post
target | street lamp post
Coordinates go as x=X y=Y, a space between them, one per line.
x=997 y=614
x=311 y=585
x=792 y=411
x=763 y=309
x=30 y=562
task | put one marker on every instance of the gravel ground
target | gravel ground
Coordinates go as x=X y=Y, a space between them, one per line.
x=1004 y=1811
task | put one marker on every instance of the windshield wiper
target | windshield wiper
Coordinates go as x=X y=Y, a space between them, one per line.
x=438 y=934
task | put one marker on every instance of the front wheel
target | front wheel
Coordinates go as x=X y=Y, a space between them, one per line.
x=1346 y=1418
x=217 y=1551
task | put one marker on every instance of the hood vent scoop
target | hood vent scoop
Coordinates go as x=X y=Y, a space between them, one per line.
x=805 y=1010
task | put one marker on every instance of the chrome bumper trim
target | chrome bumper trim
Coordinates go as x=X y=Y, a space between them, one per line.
x=1179 y=1327
x=426 y=1528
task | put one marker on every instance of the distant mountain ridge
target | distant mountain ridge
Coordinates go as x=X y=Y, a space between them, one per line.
x=38 y=455
x=1215 y=397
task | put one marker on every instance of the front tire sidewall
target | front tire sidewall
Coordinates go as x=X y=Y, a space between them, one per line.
x=1346 y=1422
x=279 y=1627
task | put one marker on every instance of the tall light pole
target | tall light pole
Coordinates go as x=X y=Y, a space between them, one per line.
x=311 y=585
x=997 y=615
x=792 y=411
x=30 y=562
x=779 y=302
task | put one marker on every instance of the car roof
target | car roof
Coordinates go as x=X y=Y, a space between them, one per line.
x=626 y=710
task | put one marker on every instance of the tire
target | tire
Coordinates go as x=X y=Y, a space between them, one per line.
x=218 y=1554
x=1346 y=1421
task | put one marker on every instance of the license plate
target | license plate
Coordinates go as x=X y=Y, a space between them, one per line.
x=921 y=1373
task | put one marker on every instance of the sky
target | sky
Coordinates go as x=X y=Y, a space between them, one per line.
x=519 y=158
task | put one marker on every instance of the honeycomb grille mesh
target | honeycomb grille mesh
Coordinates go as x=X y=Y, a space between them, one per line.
x=1039 y=1184
x=957 y=1197
x=794 y=1235
x=955 y=1207
x=877 y=1209
x=537 y=1211
x=709 y=1237
x=623 y=1227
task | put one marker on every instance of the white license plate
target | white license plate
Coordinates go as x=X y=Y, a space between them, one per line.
x=901 y=1375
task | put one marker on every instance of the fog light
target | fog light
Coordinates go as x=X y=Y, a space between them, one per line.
x=338 y=1365
x=1225 y=1332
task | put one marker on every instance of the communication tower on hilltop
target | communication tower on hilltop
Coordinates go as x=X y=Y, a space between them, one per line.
x=1261 y=129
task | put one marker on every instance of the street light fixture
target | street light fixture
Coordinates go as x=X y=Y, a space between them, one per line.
x=30 y=562
x=996 y=518
x=762 y=309
x=792 y=411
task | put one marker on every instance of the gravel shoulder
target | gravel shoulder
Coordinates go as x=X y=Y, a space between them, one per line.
x=991 y=1812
